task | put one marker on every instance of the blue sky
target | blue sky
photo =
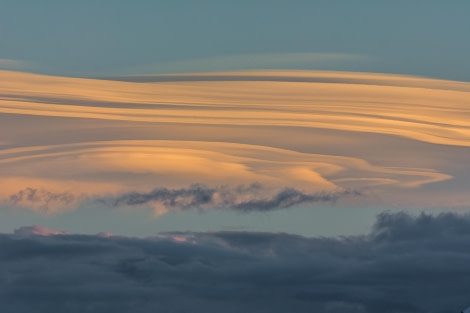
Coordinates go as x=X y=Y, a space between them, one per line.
x=90 y=38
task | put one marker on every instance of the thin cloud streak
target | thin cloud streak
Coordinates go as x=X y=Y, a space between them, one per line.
x=11 y=64
x=37 y=230
x=244 y=199
x=254 y=61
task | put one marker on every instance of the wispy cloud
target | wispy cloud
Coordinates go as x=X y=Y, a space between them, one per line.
x=406 y=264
x=12 y=64
x=37 y=230
x=35 y=195
x=44 y=201
x=242 y=198
x=255 y=61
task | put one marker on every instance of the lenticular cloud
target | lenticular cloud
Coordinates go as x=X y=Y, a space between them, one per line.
x=314 y=133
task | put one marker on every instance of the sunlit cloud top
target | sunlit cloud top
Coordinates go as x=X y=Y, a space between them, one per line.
x=301 y=137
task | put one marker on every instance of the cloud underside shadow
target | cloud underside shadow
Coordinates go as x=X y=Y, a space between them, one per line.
x=406 y=264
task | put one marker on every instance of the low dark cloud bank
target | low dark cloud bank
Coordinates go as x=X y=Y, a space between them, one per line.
x=406 y=264
x=253 y=197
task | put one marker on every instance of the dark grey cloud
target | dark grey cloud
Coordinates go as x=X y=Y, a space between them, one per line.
x=40 y=196
x=194 y=196
x=290 y=197
x=253 y=197
x=405 y=264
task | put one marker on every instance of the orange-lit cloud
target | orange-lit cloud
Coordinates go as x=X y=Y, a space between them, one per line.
x=66 y=140
x=422 y=110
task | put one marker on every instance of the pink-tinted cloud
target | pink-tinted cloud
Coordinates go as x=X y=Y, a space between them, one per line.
x=37 y=230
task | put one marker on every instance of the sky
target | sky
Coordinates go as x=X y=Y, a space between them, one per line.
x=89 y=38
x=266 y=156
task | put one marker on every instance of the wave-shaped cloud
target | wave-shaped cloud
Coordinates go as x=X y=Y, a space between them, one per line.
x=405 y=264
x=126 y=167
x=438 y=116
x=389 y=137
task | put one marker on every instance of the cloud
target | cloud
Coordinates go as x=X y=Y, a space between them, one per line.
x=56 y=178
x=241 y=198
x=255 y=61
x=6 y=63
x=43 y=200
x=34 y=195
x=306 y=130
x=405 y=264
x=37 y=230
x=194 y=196
x=11 y=64
x=290 y=197
x=371 y=103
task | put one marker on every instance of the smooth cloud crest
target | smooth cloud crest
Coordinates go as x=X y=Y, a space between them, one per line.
x=350 y=106
x=406 y=264
x=394 y=138
x=123 y=167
